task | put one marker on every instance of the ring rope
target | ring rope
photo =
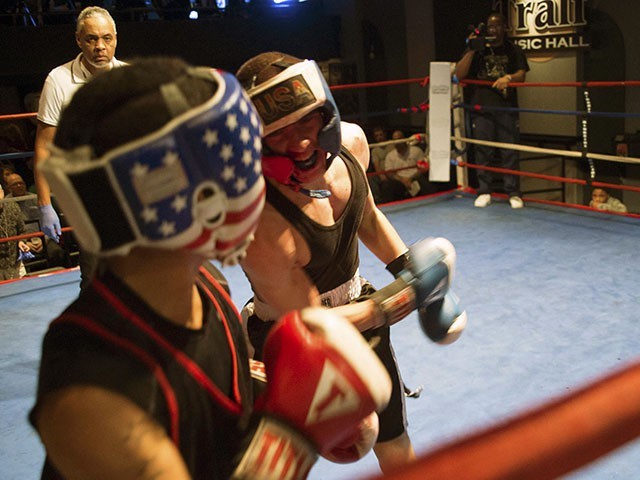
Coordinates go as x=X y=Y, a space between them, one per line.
x=423 y=107
x=589 y=113
x=25 y=236
x=557 y=203
x=553 y=151
x=412 y=140
x=16 y=116
x=423 y=81
x=561 y=434
x=622 y=83
x=394 y=170
x=553 y=178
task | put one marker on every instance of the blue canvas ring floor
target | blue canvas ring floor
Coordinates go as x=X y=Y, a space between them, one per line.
x=551 y=294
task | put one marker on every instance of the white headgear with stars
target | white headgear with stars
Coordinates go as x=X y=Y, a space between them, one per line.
x=195 y=184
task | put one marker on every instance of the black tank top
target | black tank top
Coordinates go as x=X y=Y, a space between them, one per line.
x=334 y=249
x=194 y=383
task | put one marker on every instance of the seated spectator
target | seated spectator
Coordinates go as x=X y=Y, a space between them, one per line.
x=601 y=200
x=378 y=153
x=13 y=138
x=11 y=252
x=379 y=183
x=7 y=169
x=28 y=204
x=414 y=181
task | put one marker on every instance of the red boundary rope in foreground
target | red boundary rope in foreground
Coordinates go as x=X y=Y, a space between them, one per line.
x=543 y=443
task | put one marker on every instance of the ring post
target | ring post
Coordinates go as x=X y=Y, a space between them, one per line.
x=439 y=124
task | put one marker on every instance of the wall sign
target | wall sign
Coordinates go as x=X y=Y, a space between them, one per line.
x=546 y=25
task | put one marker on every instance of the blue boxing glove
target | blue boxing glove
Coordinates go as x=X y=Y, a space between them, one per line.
x=50 y=222
x=444 y=320
x=423 y=279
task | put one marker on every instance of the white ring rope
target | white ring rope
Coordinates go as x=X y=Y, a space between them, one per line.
x=560 y=153
x=412 y=140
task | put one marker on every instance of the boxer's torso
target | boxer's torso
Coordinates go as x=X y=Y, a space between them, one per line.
x=328 y=227
x=98 y=341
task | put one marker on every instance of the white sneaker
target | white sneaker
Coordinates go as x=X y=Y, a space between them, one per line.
x=516 y=202
x=414 y=189
x=482 y=200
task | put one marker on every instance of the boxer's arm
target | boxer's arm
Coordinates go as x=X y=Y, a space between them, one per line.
x=423 y=277
x=378 y=234
x=89 y=432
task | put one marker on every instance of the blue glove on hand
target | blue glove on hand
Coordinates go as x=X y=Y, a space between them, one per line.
x=427 y=268
x=50 y=222
x=25 y=256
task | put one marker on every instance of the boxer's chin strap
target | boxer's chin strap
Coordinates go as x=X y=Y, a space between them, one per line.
x=321 y=193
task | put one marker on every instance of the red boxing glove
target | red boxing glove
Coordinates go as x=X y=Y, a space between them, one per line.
x=323 y=381
x=279 y=168
x=359 y=444
x=323 y=378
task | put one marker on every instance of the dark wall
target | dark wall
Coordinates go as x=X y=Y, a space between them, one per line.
x=605 y=61
x=451 y=25
x=29 y=53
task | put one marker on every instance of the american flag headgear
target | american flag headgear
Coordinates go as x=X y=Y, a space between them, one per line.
x=195 y=184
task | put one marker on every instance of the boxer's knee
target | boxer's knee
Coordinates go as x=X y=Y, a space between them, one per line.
x=394 y=453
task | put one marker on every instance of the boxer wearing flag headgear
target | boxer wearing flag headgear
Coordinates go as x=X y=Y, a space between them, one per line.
x=318 y=207
x=147 y=374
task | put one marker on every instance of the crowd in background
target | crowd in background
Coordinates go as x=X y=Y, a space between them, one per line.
x=398 y=170
x=19 y=215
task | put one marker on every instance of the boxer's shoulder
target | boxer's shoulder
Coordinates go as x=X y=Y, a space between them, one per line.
x=353 y=136
x=355 y=140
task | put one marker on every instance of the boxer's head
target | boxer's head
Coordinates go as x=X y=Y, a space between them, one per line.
x=296 y=106
x=160 y=154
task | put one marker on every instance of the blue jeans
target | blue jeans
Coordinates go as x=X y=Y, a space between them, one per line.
x=497 y=127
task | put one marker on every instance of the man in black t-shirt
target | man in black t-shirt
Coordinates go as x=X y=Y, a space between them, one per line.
x=501 y=62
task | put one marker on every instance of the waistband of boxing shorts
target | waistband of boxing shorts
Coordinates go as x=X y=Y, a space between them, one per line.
x=341 y=295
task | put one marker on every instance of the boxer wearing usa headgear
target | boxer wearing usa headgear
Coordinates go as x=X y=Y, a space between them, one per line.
x=318 y=208
x=296 y=90
x=146 y=375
